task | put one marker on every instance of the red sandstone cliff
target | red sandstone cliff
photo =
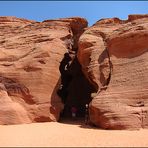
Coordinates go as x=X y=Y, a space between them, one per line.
x=30 y=56
x=112 y=54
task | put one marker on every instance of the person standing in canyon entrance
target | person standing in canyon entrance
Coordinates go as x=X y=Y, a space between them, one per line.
x=74 y=112
x=86 y=114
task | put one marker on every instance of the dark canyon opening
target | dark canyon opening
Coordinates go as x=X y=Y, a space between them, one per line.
x=75 y=90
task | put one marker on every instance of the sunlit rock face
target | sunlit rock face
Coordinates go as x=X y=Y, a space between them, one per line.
x=114 y=57
x=107 y=66
x=30 y=56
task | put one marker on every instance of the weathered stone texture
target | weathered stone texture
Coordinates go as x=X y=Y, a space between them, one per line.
x=30 y=56
x=113 y=54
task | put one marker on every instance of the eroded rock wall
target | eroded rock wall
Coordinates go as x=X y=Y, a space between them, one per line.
x=113 y=54
x=30 y=56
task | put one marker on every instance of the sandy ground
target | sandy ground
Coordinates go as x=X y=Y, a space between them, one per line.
x=68 y=134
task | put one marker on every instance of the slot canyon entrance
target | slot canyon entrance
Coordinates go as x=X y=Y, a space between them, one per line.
x=75 y=90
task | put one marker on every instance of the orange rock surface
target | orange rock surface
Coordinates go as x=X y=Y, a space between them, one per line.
x=113 y=54
x=30 y=56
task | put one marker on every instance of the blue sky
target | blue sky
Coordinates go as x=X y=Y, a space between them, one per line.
x=91 y=10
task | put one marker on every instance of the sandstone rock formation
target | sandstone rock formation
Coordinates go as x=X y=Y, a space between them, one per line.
x=47 y=67
x=113 y=54
x=30 y=56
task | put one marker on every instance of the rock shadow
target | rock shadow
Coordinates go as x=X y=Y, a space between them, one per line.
x=75 y=90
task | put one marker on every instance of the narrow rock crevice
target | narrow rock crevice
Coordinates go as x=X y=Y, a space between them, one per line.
x=106 y=66
x=109 y=62
x=110 y=68
x=75 y=90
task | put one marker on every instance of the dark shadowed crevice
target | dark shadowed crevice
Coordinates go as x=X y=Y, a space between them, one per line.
x=65 y=77
x=110 y=68
x=75 y=90
x=105 y=71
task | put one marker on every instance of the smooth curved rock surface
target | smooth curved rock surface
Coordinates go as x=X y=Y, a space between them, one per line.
x=113 y=54
x=30 y=55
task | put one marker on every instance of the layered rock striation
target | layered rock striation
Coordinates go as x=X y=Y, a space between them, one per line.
x=40 y=62
x=113 y=54
x=30 y=56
